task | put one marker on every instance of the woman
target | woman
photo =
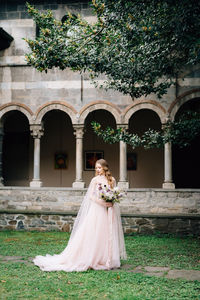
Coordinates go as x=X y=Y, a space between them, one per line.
x=97 y=240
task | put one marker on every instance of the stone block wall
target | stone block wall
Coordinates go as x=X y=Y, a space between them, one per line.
x=22 y=83
x=137 y=201
x=143 y=210
x=180 y=225
x=35 y=221
x=142 y=224
x=16 y=9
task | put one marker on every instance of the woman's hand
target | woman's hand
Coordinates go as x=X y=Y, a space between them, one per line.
x=104 y=203
x=108 y=204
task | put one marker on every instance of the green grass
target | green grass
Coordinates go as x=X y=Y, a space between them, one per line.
x=25 y=281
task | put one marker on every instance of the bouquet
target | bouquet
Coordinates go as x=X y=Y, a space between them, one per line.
x=110 y=195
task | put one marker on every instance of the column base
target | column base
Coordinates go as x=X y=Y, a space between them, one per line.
x=123 y=184
x=36 y=183
x=168 y=185
x=78 y=184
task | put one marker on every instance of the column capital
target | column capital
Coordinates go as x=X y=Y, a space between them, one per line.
x=37 y=131
x=166 y=119
x=78 y=131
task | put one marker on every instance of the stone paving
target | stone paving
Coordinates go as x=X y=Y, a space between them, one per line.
x=164 y=272
x=148 y=270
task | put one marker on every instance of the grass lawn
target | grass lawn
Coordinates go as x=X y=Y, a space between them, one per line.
x=25 y=281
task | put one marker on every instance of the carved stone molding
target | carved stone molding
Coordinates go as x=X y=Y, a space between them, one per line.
x=37 y=131
x=78 y=131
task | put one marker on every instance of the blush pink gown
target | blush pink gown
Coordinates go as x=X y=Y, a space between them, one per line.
x=96 y=241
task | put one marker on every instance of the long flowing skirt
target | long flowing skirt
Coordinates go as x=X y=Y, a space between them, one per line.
x=95 y=244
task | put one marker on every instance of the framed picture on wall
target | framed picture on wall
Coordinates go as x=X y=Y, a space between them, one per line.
x=60 y=161
x=90 y=159
x=131 y=161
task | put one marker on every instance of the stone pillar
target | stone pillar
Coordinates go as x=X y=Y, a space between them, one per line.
x=37 y=132
x=1 y=154
x=168 y=182
x=79 y=131
x=123 y=182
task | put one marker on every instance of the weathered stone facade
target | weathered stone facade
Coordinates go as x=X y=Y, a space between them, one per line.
x=39 y=114
x=34 y=99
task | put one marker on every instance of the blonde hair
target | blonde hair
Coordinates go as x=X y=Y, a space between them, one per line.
x=107 y=172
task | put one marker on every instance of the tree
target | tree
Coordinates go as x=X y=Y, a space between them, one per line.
x=180 y=133
x=139 y=45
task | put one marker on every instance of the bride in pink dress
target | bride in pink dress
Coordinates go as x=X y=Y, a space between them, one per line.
x=97 y=240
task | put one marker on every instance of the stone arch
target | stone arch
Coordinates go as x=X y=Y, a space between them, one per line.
x=180 y=100
x=16 y=106
x=144 y=104
x=96 y=105
x=58 y=105
x=16 y=144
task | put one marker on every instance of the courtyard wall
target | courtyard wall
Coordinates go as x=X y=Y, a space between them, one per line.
x=143 y=210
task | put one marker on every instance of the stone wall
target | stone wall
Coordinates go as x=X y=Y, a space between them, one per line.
x=35 y=221
x=137 y=201
x=143 y=210
x=16 y=9
x=145 y=224
x=23 y=84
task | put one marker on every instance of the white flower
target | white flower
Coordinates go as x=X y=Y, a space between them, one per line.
x=108 y=194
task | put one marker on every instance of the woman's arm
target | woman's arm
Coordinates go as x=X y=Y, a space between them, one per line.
x=94 y=196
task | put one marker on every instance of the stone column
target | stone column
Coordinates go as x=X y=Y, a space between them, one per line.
x=1 y=154
x=168 y=182
x=79 y=131
x=123 y=182
x=37 y=132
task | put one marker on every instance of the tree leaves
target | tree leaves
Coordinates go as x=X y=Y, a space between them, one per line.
x=180 y=133
x=140 y=46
